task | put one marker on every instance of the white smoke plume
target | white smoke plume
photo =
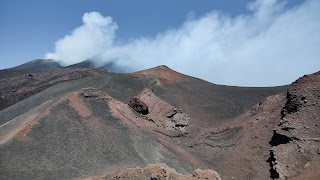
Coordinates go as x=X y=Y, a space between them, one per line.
x=87 y=41
x=273 y=45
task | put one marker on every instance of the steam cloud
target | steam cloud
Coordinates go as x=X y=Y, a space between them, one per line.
x=273 y=45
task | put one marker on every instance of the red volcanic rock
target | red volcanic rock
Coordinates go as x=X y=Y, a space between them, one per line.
x=295 y=142
x=160 y=171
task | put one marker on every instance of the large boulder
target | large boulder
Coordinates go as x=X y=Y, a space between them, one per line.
x=139 y=106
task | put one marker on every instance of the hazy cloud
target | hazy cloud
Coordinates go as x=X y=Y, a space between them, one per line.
x=87 y=41
x=272 y=45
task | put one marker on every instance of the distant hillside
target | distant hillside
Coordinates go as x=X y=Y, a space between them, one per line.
x=38 y=64
x=32 y=77
x=30 y=67
x=90 y=64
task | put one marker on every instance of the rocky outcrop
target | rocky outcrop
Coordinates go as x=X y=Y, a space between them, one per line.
x=148 y=106
x=176 y=120
x=296 y=140
x=294 y=101
x=139 y=106
x=159 y=172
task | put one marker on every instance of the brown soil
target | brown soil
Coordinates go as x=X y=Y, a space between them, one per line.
x=78 y=105
x=163 y=74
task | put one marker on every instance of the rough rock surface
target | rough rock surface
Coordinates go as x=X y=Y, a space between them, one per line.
x=139 y=106
x=159 y=172
x=296 y=139
x=177 y=120
x=149 y=107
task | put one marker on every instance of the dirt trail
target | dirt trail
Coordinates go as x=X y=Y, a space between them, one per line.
x=16 y=125
x=78 y=105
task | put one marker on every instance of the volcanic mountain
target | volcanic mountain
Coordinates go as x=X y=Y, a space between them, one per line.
x=79 y=122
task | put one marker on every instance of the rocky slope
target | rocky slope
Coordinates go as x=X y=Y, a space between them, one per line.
x=107 y=124
x=157 y=172
x=38 y=64
x=15 y=89
x=296 y=139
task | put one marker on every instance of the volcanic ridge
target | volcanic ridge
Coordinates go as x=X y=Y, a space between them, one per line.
x=84 y=122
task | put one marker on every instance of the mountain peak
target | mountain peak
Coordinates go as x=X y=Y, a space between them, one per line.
x=38 y=64
x=163 y=73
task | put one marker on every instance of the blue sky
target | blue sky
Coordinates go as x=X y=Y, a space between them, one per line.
x=30 y=28
x=252 y=40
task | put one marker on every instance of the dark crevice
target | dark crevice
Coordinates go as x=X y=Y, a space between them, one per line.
x=180 y=125
x=272 y=162
x=288 y=128
x=278 y=139
x=292 y=105
x=173 y=112
x=170 y=115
